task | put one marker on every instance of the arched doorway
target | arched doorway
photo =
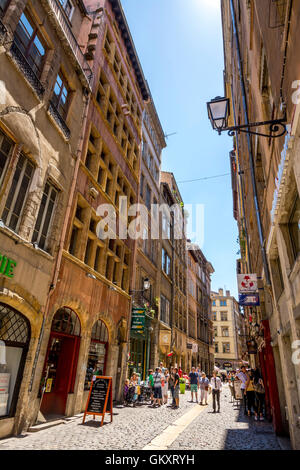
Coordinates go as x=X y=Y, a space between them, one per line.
x=61 y=362
x=14 y=343
x=96 y=363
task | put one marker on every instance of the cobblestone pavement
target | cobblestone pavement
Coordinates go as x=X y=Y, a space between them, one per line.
x=133 y=429
x=228 y=430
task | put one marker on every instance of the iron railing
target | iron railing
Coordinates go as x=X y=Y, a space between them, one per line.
x=59 y=119
x=27 y=69
x=59 y=15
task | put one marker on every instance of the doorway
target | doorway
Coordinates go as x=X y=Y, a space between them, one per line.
x=61 y=363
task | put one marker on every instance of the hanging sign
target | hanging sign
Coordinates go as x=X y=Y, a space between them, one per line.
x=247 y=283
x=138 y=320
x=249 y=300
x=99 y=401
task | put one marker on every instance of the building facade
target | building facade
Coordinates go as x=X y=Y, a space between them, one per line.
x=200 y=327
x=262 y=80
x=43 y=98
x=229 y=331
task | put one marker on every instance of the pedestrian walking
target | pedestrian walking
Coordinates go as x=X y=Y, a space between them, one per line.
x=157 y=388
x=151 y=385
x=204 y=385
x=250 y=392
x=176 y=388
x=242 y=375
x=194 y=384
x=171 y=385
x=216 y=385
x=165 y=387
x=259 y=395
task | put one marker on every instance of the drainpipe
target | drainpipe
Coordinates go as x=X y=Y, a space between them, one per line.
x=249 y=143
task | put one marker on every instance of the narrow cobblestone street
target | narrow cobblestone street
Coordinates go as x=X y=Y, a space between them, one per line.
x=135 y=429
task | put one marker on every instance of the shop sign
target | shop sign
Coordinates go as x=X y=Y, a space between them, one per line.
x=247 y=283
x=138 y=320
x=249 y=300
x=227 y=364
x=7 y=266
x=189 y=346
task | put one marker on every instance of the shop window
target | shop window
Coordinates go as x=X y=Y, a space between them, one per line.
x=66 y=321
x=6 y=146
x=61 y=95
x=14 y=341
x=44 y=220
x=30 y=42
x=96 y=364
x=18 y=193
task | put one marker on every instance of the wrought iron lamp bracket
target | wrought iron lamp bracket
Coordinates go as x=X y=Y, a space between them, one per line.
x=277 y=128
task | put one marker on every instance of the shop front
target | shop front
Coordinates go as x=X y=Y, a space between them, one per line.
x=140 y=339
x=61 y=362
x=14 y=343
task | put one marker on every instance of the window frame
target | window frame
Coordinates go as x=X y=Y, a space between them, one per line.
x=45 y=212
x=63 y=4
x=56 y=99
x=8 y=156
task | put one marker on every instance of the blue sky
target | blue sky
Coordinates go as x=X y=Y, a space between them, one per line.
x=180 y=47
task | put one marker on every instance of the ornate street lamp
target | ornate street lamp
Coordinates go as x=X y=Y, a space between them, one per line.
x=146 y=286
x=219 y=111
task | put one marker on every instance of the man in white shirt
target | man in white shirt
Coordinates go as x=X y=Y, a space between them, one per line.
x=216 y=385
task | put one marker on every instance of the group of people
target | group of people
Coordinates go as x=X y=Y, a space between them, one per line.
x=253 y=391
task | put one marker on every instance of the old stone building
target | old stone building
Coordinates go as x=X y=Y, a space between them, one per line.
x=262 y=81
x=229 y=331
x=88 y=325
x=200 y=350
x=44 y=84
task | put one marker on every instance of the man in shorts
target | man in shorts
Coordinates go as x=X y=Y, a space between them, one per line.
x=194 y=383
x=157 y=388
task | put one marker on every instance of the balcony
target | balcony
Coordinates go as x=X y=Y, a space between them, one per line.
x=64 y=32
x=27 y=70
x=59 y=120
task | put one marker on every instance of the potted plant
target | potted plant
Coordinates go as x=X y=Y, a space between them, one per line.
x=182 y=385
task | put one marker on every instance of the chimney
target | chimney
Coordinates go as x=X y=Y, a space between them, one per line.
x=221 y=292
x=228 y=293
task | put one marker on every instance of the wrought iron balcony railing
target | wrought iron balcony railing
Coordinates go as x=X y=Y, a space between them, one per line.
x=59 y=120
x=27 y=70
x=59 y=15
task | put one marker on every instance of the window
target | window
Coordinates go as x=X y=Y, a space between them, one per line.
x=165 y=310
x=294 y=228
x=68 y=7
x=214 y=316
x=44 y=220
x=166 y=262
x=225 y=332
x=96 y=363
x=217 y=348
x=6 y=146
x=142 y=186
x=215 y=331
x=226 y=348
x=148 y=198
x=224 y=316
x=223 y=303
x=30 y=43
x=60 y=96
x=14 y=342
x=214 y=303
x=3 y=6
x=18 y=191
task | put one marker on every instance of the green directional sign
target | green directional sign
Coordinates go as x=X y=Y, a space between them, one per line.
x=138 y=320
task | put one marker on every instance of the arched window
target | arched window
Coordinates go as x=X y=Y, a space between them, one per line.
x=14 y=342
x=66 y=321
x=96 y=364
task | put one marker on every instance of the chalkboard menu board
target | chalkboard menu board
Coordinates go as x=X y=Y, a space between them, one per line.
x=100 y=398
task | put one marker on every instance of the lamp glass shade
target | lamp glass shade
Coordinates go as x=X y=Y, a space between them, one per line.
x=146 y=284
x=218 y=113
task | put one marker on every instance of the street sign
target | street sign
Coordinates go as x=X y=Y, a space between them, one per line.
x=249 y=300
x=247 y=283
x=138 y=319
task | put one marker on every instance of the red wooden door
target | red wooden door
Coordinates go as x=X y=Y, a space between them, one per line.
x=62 y=362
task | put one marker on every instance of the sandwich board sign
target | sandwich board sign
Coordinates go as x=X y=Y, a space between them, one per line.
x=99 y=401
